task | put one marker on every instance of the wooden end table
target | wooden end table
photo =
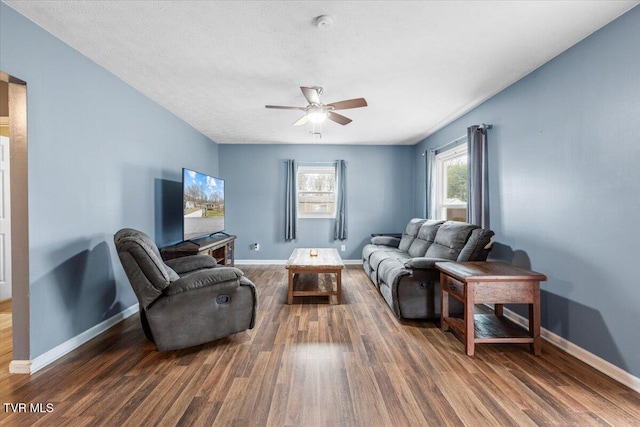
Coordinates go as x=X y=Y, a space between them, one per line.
x=305 y=271
x=490 y=282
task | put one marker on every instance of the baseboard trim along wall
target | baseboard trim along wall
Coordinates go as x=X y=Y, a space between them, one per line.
x=580 y=353
x=33 y=366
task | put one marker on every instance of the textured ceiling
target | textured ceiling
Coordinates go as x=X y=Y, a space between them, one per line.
x=215 y=64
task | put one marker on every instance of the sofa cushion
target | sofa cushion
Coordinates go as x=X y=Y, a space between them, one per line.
x=220 y=276
x=450 y=239
x=173 y=276
x=379 y=256
x=391 y=270
x=424 y=239
x=145 y=252
x=386 y=241
x=475 y=250
x=410 y=233
x=369 y=249
x=191 y=263
x=421 y=262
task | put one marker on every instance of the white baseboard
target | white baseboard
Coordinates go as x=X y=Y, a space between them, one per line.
x=20 y=367
x=260 y=262
x=33 y=366
x=580 y=353
x=284 y=261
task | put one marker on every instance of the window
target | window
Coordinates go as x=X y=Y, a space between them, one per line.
x=451 y=184
x=316 y=191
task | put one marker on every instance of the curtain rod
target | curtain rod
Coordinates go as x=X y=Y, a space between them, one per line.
x=446 y=145
x=316 y=163
x=482 y=126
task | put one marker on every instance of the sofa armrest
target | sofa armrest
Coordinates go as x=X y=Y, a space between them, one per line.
x=394 y=242
x=226 y=277
x=191 y=263
x=423 y=263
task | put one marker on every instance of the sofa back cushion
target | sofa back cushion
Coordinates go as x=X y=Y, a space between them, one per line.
x=476 y=247
x=410 y=233
x=425 y=238
x=450 y=239
x=146 y=255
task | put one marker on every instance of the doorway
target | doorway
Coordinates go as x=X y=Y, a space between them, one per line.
x=6 y=340
x=14 y=237
x=5 y=198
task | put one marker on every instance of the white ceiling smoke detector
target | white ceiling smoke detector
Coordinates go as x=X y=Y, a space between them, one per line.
x=324 y=22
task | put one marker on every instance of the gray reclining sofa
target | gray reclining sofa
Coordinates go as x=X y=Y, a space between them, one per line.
x=403 y=269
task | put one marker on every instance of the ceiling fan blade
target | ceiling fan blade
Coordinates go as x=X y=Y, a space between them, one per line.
x=283 y=107
x=302 y=120
x=350 y=103
x=338 y=118
x=311 y=95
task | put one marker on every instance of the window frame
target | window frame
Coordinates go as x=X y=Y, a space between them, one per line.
x=329 y=169
x=441 y=179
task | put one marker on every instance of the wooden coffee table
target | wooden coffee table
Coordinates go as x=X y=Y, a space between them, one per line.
x=306 y=273
x=490 y=282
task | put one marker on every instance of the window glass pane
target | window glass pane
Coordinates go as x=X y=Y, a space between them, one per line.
x=451 y=184
x=456 y=177
x=316 y=191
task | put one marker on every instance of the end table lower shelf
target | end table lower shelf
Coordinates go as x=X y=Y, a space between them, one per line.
x=489 y=328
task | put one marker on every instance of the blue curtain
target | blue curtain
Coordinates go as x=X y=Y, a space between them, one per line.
x=291 y=205
x=430 y=208
x=340 y=232
x=477 y=204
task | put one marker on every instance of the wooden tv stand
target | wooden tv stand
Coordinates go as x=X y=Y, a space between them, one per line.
x=219 y=246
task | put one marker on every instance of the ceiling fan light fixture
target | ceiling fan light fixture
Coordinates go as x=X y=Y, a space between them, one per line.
x=317 y=115
x=316 y=112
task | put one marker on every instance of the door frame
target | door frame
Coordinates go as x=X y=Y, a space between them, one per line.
x=18 y=155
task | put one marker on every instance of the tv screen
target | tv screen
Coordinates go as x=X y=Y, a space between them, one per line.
x=202 y=204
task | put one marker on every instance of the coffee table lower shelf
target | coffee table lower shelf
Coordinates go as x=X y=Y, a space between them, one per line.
x=315 y=285
x=490 y=328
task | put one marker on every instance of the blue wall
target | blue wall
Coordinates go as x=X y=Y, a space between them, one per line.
x=564 y=174
x=380 y=196
x=101 y=157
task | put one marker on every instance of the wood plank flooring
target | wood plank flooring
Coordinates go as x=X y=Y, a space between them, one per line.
x=314 y=364
x=6 y=342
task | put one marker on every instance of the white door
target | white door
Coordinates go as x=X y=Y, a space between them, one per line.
x=5 y=221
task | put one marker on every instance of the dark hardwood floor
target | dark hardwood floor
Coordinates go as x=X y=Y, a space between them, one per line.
x=314 y=364
x=6 y=342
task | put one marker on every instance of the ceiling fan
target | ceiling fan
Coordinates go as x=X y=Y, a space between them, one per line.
x=317 y=112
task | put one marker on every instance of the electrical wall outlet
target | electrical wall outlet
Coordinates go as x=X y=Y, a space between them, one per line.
x=256 y=246
x=343 y=248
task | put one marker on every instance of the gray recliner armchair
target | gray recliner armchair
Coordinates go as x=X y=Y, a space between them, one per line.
x=185 y=301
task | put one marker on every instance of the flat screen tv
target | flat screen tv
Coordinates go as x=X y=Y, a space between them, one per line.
x=202 y=204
